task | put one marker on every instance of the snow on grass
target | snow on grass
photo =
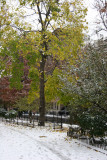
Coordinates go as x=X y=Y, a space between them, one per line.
x=39 y=143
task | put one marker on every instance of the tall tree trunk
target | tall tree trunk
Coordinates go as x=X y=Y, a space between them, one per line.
x=42 y=94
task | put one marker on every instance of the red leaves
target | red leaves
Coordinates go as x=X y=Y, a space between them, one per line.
x=11 y=95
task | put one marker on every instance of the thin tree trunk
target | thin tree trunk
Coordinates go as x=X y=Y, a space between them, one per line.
x=42 y=94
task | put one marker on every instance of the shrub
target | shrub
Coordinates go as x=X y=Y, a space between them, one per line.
x=96 y=124
x=2 y=112
x=11 y=114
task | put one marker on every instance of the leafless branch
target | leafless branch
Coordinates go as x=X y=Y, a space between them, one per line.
x=39 y=12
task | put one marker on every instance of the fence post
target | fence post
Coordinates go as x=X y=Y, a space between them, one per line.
x=61 y=121
x=57 y=118
x=53 y=121
x=17 y=120
x=33 y=119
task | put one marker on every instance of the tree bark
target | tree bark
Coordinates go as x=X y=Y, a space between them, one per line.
x=42 y=94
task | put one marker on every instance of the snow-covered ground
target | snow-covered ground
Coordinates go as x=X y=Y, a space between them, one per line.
x=26 y=143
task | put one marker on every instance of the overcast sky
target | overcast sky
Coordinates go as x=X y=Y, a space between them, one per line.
x=92 y=16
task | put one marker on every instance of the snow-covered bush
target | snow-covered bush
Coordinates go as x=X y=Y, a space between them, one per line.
x=11 y=114
x=94 y=123
x=2 y=112
x=86 y=80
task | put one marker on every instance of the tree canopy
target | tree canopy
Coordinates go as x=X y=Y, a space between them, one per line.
x=57 y=33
